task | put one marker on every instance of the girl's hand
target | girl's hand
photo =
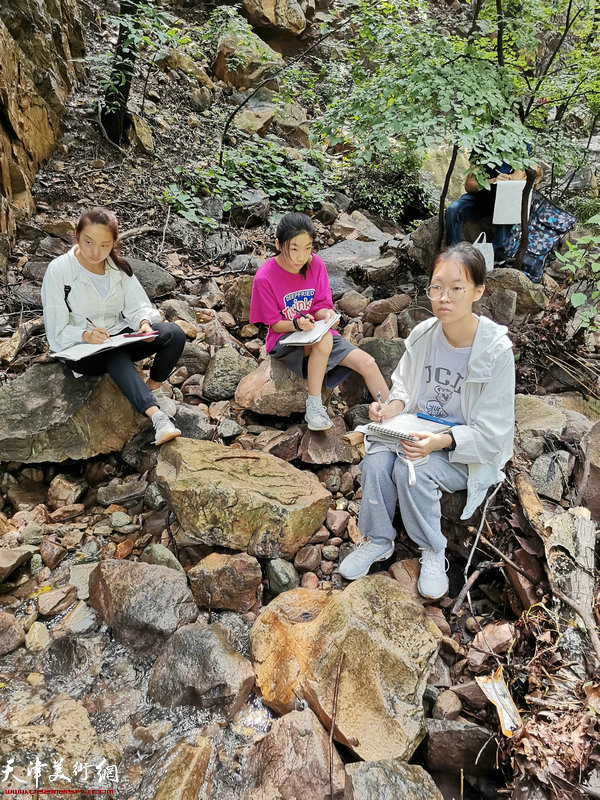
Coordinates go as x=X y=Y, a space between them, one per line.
x=306 y=323
x=428 y=442
x=328 y=313
x=95 y=336
x=381 y=412
x=145 y=327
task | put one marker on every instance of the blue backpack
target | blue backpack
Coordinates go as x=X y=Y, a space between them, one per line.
x=547 y=226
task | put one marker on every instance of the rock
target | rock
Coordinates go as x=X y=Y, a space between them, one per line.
x=243 y=500
x=74 y=419
x=420 y=246
x=388 y=328
x=185 y=770
x=287 y=15
x=118 y=519
x=295 y=646
x=56 y=600
x=81 y=619
x=535 y=418
x=352 y=303
x=141 y=602
x=283 y=444
x=254 y=120
x=327 y=447
x=379 y=310
x=281 y=576
x=10 y=559
x=389 y=780
x=201 y=98
x=308 y=558
x=496 y=638
x=272 y=389
x=160 y=555
x=238 y=291
x=386 y=352
x=38 y=638
x=254 y=60
x=26 y=494
x=309 y=581
x=471 y=694
x=550 y=473
x=64 y=490
x=357 y=225
x=436 y=163
x=12 y=634
x=194 y=358
x=292 y=761
x=330 y=553
x=193 y=422
x=178 y=309
x=123 y=494
x=224 y=372
x=503 y=305
x=447 y=706
x=454 y=746
x=198 y=667
x=178 y=59
x=32 y=533
x=292 y=121
x=79 y=576
x=227 y=582
x=52 y=553
x=337 y=521
x=254 y=208
x=155 y=280
x=530 y=296
x=344 y=256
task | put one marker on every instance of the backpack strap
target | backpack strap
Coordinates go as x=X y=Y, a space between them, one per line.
x=67 y=290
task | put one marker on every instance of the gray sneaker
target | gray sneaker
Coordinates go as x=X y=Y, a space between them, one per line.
x=359 y=562
x=433 y=581
x=317 y=418
x=164 y=428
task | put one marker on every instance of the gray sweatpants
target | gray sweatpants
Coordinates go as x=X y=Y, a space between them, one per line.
x=385 y=481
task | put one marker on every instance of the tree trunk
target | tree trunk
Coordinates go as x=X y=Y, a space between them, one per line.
x=442 y=207
x=523 y=244
x=114 y=107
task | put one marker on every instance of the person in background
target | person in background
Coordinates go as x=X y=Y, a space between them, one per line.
x=90 y=294
x=462 y=366
x=291 y=291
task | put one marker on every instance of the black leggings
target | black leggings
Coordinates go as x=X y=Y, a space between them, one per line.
x=119 y=364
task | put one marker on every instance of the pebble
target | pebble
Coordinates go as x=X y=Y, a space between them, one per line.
x=330 y=552
x=119 y=519
x=309 y=581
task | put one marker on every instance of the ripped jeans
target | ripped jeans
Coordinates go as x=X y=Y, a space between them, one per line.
x=385 y=482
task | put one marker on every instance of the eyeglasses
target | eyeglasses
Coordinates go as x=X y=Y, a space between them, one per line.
x=454 y=294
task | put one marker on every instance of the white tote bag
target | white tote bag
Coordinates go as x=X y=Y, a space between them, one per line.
x=486 y=249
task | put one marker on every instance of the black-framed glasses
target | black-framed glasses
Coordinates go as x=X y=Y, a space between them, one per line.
x=455 y=294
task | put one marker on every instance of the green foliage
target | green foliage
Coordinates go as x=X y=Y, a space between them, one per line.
x=391 y=187
x=224 y=18
x=582 y=263
x=255 y=164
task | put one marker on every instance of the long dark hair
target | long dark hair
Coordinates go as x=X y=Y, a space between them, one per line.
x=292 y=225
x=468 y=256
x=102 y=216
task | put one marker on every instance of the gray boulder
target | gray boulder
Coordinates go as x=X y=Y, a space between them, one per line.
x=389 y=780
x=193 y=423
x=254 y=208
x=155 y=280
x=345 y=256
x=194 y=358
x=224 y=372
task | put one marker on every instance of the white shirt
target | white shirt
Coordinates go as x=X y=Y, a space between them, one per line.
x=125 y=305
x=444 y=372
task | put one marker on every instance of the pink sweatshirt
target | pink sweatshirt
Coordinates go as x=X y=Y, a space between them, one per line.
x=278 y=295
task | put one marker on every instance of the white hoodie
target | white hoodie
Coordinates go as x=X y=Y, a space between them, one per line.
x=485 y=442
x=126 y=304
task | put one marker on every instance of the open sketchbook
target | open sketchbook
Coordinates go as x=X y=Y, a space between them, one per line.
x=83 y=350
x=317 y=333
x=400 y=427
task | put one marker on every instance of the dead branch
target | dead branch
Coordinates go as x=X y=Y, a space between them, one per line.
x=482 y=567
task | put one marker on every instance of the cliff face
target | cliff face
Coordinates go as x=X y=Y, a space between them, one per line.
x=40 y=41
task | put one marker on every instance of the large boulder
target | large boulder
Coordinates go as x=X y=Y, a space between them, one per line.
x=238 y=292
x=287 y=15
x=272 y=389
x=142 y=603
x=387 y=353
x=224 y=372
x=292 y=761
x=389 y=780
x=345 y=256
x=47 y=414
x=198 y=667
x=243 y=59
x=296 y=644
x=243 y=500
x=531 y=297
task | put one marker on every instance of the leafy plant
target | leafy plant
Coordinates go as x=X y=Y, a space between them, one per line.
x=582 y=263
x=188 y=206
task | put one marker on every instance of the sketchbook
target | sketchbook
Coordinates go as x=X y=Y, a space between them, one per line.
x=507 y=206
x=83 y=350
x=400 y=427
x=317 y=333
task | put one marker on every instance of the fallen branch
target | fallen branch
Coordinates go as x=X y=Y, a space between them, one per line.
x=509 y=561
x=481 y=568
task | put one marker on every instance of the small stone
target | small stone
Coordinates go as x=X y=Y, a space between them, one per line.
x=281 y=576
x=57 y=600
x=352 y=303
x=178 y=376
x=226 y=581
x=80 y=619
x=119 y=519
x=322 y=535
x=52 y=553
x=12 y=558
x=308 y=558
x=12 y=634
x=309 y=581
x=36 y=564
x=326 y=567
x=249 y=331
x=337 y=521
x=38 y=637
x=228 y=428
x=32 y=533
x=65 y=491
x=161 y=555
x=493 y=638
x=79 y=576
x=447 y=706
x=330 y=552
x=124 y=549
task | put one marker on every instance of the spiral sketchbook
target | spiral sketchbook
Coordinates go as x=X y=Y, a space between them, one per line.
x=400 y=427
x=315 y=335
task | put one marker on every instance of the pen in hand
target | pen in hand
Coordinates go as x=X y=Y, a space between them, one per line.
x=379 y=406
x=96 y=328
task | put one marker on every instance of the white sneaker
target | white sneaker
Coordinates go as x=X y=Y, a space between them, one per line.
x=317 y=418
x=433 y=581
x=359 y=562
x=164 y=428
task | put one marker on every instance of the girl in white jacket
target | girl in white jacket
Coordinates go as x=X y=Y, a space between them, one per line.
x=91 y=293
x=458 y=367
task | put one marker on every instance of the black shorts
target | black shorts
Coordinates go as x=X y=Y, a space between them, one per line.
x=293 y=357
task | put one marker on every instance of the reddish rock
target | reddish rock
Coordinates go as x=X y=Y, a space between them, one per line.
x=388 y=328
x=51 y=553
x=322 y=535
x=453 y=746
x=64 y=513
x=471 y=694
x=524 y=587
x=436 y=615
x=353 y=531
x=327 y=447
x=39 y=514
x=377 y=311
x=346 y=483
x=308 y=558
x=65 y=491
x=495 y=637
x=12 y=634
x=309 y=581
x=337 y=521
x=352 y=303
x=406 y=572
x=124 y=549
x=447 y=706
x=282 y=444
x=326 y=567
x=11 y=558
x=227 y=581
